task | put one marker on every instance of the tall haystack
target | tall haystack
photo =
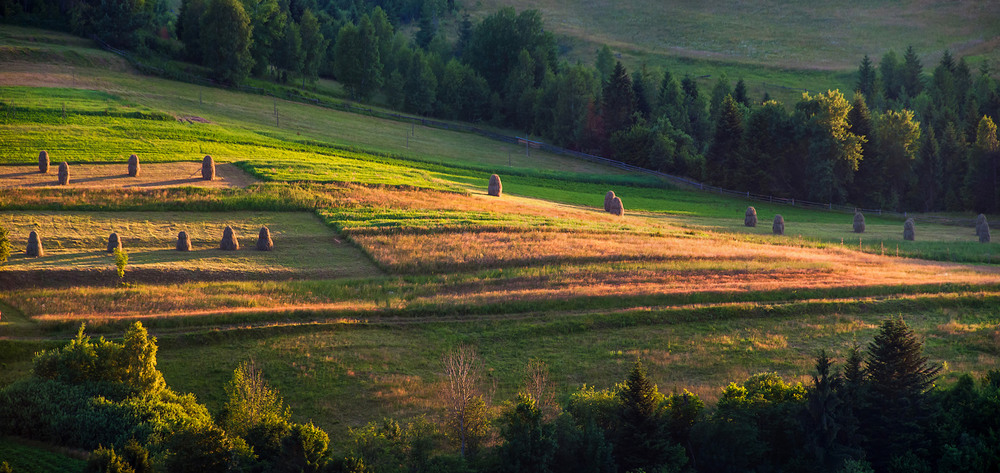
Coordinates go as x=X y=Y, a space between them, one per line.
x=750 y=218
x=778 y=227
x=34 y=245
x=495 y=187
x=859 y=222
x=229 y=240
x=133 y=166
x=980 y=222
x=608 y=198
x=208 y=168
x=616 y=207
x=264 y=242
x=183 y=242
x=63 y=173
x=114 y=243
x=983 y=229
x=908 y=229
x=43 y=162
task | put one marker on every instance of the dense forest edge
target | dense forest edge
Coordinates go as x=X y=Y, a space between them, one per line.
x=902 y=140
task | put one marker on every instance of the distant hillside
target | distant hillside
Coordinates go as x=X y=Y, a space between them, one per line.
x=791 y=34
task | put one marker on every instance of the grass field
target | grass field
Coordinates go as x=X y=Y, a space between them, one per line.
x=386 y=257
x=31 y=459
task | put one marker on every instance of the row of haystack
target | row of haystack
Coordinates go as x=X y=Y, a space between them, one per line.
x=777 y=226
x=229 y=242
x=207 y=167
x=909 y=226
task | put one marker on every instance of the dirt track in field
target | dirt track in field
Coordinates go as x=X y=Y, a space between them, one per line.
x=115 y=176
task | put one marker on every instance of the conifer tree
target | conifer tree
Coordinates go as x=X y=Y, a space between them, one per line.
x=619 y=101
x=724 y=162
x=225 y=40
x=912 y=72
x=866 y=78
x=642 y=439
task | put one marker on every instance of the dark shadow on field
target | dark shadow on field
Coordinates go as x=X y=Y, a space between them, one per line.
x=101 y=178
x=18 y=174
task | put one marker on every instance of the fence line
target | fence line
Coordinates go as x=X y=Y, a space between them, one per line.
x=347 y=107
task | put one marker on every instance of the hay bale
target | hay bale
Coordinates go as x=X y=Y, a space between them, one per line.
x=495 y=187
x=114 y=243
x=750 y=218
x=183 y=242
x=208 y=168
x=608 y=198
x=264 y=242
x=980 y=222
x=43 y=162
x=778 y=227
x=34 y=245
x=133 y=166
x=859 y=222
x=616 y=207
x=229 y=240
x=908 y=229
x=63 y=173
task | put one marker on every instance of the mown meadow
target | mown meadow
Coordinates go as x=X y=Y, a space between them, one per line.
x=389 y=254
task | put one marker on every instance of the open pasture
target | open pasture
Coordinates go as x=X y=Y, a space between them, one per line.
x=152 y=175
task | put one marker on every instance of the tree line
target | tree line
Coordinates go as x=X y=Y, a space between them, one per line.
x=879 y=410
x=904 y=140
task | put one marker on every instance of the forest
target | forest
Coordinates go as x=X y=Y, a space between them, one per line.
x=879 y=412
x=903 y=140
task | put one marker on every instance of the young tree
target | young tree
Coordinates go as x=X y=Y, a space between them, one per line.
x=891 y=72
x=866 y=78
x=225 y=40
x=465 y=407
x=251 y=402
x=643 y=440
x=740 y=94
x=530 y=443
x=605 y=64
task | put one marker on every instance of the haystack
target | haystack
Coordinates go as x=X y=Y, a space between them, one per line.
x=229 y=240
x=778 y=227
x=264 y=242
x=114 y=243
x=980 y=221
x=43 y=162
x=608 y=198
x=133 y=166
x=982 y=229
x=34 y=245
x=208 y=168
x=859 y=222
x=183 y=242
x=495 y=187
x=908 y=229
x=63 y=173
x=750 y=218
x=616 y=207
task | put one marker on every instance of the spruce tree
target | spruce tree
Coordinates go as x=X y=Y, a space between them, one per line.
x=642 y=439
x=898 y=379
x=866 y=78
x=912 y=72
x=619 y=102
x=724 y=162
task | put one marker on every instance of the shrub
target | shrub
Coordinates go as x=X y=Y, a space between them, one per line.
x=43 y=162
x=229 y=240
x=859 y=222
x=34 y=249
x=778 y=227
x=183 y=241
x=616 y=207
x=908 y=229
x=114 y=243
x=4 y=245
x=208 y=168
x=63 y=173
x=133 y=166
x=750 y=218
x=608 y=198
x=121 y=260
x=495 y=187
x=264 y=242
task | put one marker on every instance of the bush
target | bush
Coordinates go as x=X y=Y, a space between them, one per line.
x=4 y=245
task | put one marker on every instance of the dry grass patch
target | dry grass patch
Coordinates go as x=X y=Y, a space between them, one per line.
x=110 y=176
